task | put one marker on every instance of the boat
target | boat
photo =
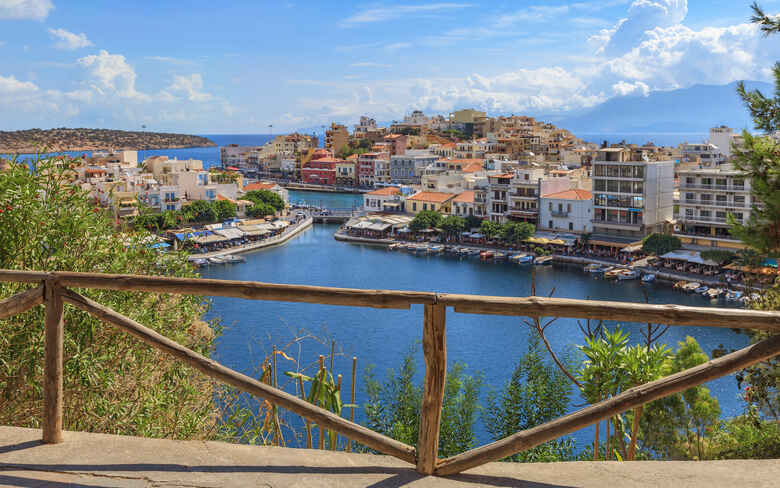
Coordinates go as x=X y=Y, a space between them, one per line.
x=628 y=274
x=702 y=290
x=486 y=255
x=612 y=273
x=524 y=259
x=435 y=248
x=231 y=259
x=715 y=293
x=753 y=297
x=734 y=295
x=692 y=286
x=679 y=285
x=543 y=260
x=394 y=246
x=499 y=256
x=594 y=268
x=200 y=262
x=217 y=260
x=648 y=278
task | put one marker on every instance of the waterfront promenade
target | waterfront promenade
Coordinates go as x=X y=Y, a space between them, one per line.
x=288 y=233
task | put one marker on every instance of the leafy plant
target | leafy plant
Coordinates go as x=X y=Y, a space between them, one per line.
x=659 y=244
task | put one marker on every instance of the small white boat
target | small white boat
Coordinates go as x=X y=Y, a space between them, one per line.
x=435 y=249
x=594 y=268
x=733 y=295
x=216 y=260
x=612 y=273
x=231 y=259
x=628 y=274
x=394 y=246
x=648 y=278
x=499 y=256
x=680 y=285
x=200 y=262
x=525 y=259
x=692 y=286
x=715 y=293
x=543 y=260
x=702 y=290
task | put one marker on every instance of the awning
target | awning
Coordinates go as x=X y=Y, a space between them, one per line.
x=230 y=233
x=190 y=235
x=210 y=239
x=688 y=256
x=632 y=248
x=160 y=245
x=619 y=245
x=537 y=240
x=379 y=226
x=279 y=224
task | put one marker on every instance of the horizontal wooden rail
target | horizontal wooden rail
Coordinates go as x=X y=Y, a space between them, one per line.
x=636 y=396
x=21 y=302
x=244 y=383
x=251 y=290
x=598 y=309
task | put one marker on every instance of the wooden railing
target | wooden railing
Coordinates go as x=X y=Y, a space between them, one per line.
x=55 y=289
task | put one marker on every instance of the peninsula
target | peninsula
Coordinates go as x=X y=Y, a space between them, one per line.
x=82 y=139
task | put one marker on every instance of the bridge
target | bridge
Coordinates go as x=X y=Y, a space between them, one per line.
x=336 y=215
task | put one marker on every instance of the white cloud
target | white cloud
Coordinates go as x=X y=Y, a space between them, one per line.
x=10 y=86
x=643 y=15
x=69 y=40
x=25 y=9
x=384 y=14
x=111 y=74
x=191 y=86
x=398 y=45
x=622 y=88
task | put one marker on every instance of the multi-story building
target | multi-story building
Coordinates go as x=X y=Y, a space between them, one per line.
x=397 y=144
x=429 y=200
x=707 y=154
x=320 y=171
x=387 y=199
x=724 y=138
x=366 y=125
x=463 y=204
x=631 y=198
x=346 y=173
x=366 y=167
x=569 y=210
x=707 y=197
x=336 y=138
x=480 y=198
x=408 y=169
x=515 y=195
x=270 y=186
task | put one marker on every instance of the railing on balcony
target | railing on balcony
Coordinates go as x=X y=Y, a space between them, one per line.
x=54 y=290
x=559 y=214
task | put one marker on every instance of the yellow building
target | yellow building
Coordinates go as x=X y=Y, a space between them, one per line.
x=429 y=200
x=336 y=138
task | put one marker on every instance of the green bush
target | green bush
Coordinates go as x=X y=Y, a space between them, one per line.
x=113 y=383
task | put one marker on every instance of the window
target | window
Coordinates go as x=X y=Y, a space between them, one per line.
x=550 y=224
x=690 y=180
x=688 y=213
x=568 y=207
x=571 y=226
x=705 y=213
x=414 y=206
x=550 y=206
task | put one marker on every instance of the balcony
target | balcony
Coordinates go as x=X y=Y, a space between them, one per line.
x=617 y=223
x=562 y=215
x=711 y=203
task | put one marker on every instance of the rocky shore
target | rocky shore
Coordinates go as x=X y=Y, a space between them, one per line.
x=81 y=139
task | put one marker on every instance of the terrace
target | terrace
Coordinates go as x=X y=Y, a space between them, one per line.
x=116 y=459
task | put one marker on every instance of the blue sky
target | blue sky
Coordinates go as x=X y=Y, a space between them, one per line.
x=225 y=67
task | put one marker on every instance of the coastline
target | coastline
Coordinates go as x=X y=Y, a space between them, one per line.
x=256 y=246
x=563 y=259
x=321 y=188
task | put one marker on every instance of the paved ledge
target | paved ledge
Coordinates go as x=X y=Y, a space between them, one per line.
x=89 y=460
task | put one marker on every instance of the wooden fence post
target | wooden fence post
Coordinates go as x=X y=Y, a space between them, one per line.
x=435 y=351
x=52 y=383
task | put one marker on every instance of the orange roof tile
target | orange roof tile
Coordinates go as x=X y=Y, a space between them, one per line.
x=259 y=186
x=575 y=194
x=431 y=196
x=471 y=167
x=386 y=191
x=465 y=197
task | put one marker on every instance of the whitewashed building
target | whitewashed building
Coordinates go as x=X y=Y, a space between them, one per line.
x=569 y=210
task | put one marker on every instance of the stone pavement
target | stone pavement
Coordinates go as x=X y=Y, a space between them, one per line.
x=92 y=460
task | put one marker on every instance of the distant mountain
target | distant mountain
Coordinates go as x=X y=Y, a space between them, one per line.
x=693 y=109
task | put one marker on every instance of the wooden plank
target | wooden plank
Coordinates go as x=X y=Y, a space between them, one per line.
x=609 y=310
x=527 y=439
x=19 y=276
x=245 y=289
x=244 y=383
x=21 y=302
x=435 y=351
x=52 y=382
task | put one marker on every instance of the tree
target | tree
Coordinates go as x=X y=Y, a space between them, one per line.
x=473 y=221
x=426 y=219
x=224 y=209
x=759 y=159
x=202 y=211
x=660 y=244
x=490 y=229
x=516 y=232
x=265 y=196
x=114 y=383
x=453 y=225
x=676 y=426
x=393 y=406
x=260 y=209
x=538 y=392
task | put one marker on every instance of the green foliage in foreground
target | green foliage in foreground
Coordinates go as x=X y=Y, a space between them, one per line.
x=393 y=406
x=538 y=392
x=113 y=383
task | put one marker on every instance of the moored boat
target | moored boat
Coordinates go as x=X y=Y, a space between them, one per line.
x=648 y=278
x=702 y=289
x=543 y=260
x=733 y=295
x=715 y=293
x=628 y=274
x=594 y=268
x=692 y=286
x=499 y=256
x=679 y=285
x=486 y=255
